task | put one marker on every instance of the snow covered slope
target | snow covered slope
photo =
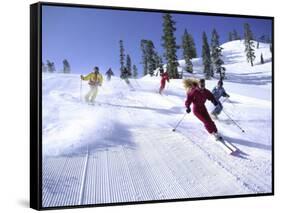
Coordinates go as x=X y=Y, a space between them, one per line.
x=238 y=70
x=123 y=148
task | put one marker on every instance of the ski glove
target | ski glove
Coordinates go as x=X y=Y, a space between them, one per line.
x=188 y=110
x=215 y=102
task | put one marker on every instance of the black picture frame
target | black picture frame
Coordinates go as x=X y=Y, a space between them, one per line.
x=36 y=103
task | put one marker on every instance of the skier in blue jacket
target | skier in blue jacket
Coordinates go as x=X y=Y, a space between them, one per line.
x=218 y=92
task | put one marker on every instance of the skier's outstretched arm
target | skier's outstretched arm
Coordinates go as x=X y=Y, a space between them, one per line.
x=189 y=100
x=224 y=94
x=86 y=78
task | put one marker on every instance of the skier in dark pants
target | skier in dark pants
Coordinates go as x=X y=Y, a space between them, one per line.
x=197 y=95
x=109 y=73
x=218 y=92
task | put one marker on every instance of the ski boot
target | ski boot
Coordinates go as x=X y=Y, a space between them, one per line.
x=214 y=115
x=217 y=136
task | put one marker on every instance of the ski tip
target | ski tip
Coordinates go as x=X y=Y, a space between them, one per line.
x=237 y=153
x=233 y=153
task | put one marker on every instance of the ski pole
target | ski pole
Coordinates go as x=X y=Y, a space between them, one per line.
x=229 y=101
x=234 y=121
x=179 y=122
x=233 y=105
x=225 y=100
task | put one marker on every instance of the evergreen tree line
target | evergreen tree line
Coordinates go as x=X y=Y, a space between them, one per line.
x=232 y=36
x=50 y=66
x=150 y=58
x=212 y=56
x=249 y=44
x=212 y=59
x=127 y=70
x=189 y=51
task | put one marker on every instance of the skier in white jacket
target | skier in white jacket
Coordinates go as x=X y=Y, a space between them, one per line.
x=218 y=92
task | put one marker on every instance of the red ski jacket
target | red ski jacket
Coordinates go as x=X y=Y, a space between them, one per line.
x=198 y=97
x=164 y=77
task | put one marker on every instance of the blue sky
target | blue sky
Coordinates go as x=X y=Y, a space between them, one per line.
x=89 y=37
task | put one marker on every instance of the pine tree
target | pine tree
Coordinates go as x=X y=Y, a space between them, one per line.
x=248 y=35
x=215 y=39
x=193 y=52
x=129 y=64
x=206 y=57
x=249 y=44
x=216 y=54
x=150 y=57
x=188 y=66
x=191 y=46
x=262 y=61
x=51 y=66
x=230 y=38
x=250 y=53
x=122 y=57
x=262 y=38
x=169 y=45
x=258 y=45
x=235 y=35
x=66 y=66
x=158 y=60
x=135 y=71
x=186 y=46
x=44 y=67
x=268 y=40
x=144 y=56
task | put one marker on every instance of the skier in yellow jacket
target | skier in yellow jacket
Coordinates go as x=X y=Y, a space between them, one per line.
x=94 y=79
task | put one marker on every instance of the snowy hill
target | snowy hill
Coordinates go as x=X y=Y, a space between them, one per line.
x=123 y=148
x=237 y=68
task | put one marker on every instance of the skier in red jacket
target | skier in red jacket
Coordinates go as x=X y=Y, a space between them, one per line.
x=197 y=95
x=164 y=78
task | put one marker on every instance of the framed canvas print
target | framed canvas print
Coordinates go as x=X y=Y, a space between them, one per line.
x=133 y=105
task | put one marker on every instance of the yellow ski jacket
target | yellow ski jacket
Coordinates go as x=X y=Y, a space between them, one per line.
x=94 y=79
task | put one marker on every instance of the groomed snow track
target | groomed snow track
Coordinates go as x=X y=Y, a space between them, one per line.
x=123 y=148
x=161 y=166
